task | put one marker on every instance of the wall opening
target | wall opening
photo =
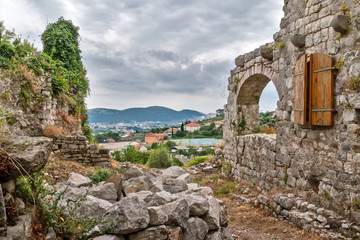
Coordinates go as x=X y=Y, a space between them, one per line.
x=257 y=95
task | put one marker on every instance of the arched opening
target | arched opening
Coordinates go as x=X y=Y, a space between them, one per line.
x=250 y=93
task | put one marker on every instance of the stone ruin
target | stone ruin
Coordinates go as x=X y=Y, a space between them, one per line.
x=314 y=63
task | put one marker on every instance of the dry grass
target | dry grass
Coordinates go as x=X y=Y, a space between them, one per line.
x=247 y=222
x=7 y=167
x=52 y=131
x=266 y=129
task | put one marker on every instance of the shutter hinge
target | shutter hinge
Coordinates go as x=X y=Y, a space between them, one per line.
x=324 y=69
x=324 y=110
x=298 y=74
x=299 y=110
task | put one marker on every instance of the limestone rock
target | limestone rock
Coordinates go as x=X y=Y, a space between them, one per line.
x=286 y=203
x=132 y=172
x=158 y=215
x=173 y=172
x=73 y=194
x=161 y=198
x=298 y=40
x=178 y=212
x=129 y=215
x=212 y=218
x=9 y=186
x=340 y=23
x=117 y=181
x=198 y=204
x=109 y=237
x=77 y=180
x=31 y=159
x=186 y=178
x=152 y=233
x=174 y=185
x=2 y=210
x=196 y=229
x=106 y=191
x=92 y=207
x=175 y=233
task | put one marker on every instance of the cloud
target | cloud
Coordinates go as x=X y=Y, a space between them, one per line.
x=141 y=53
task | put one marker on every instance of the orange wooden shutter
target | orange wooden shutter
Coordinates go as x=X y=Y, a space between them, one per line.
x=321 y=89
x=300 y=90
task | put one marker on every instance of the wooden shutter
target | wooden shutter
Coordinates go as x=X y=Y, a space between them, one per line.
x=300 y=83
x=321 y=89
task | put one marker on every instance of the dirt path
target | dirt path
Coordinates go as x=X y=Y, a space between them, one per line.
x=245 y=221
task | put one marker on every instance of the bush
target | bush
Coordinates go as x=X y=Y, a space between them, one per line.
x=159 y=158
x=7 y=50
x=130 y=154
x=197 y=160
x=229 y=188
x=33 y=189
x=100 y=175
x=177 y=162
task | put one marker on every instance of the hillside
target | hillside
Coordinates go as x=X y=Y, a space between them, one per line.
x=155 y=113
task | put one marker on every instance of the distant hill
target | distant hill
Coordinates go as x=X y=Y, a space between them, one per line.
x=156 y=113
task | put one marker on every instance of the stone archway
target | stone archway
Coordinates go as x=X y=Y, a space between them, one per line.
x=249 y=90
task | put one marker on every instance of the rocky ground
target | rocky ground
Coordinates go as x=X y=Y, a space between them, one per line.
x=244 y=220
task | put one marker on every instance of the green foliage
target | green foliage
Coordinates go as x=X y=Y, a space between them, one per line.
x=100 y=175
x=267 y=119
x=354 y=82
x=100 y=138
x=197 y=160
x=170 y=144
x=327 y=195
x=229 y=188
x=154 y=145
x=177 y=162
x=159 y=158
x=241 y=126
x=215 y=177
x=33 y=189
x=234 y=89
x=339 y=63
x=130 y=154
x=279 y=45
x=226 y=167
x=7 y=50
x=285 y=173
x=3 y=116
x=198 y=179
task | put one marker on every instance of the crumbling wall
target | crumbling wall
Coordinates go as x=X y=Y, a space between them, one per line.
x=319 y=163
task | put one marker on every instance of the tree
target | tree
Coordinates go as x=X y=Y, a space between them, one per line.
x=159 y=158
x=220 y=112
x=61 y=42
x=182 y=127
x=170 y=144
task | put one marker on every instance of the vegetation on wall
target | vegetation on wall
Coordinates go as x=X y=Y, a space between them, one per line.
x=60 y=59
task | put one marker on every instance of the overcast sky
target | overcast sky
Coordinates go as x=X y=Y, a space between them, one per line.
x=172 y=53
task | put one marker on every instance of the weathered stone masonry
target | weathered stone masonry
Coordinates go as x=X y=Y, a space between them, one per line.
x=321 y=164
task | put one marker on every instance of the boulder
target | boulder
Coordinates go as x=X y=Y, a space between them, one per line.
x=9 y=186
x=129 y=215
x=32 y=158
x=132 y=172
x=106 y=191
x=174 y=185
x=221 y=234
x=160 y=198
x=117 y=181
x=158 y=215
x=143 y=183
x=178 y=212
x=78 y=180
x=212 y=217
x=73 y=194
x=340 y=23
x=109 y=237
x=2 y=210
x=286 y=202
x=186 y=178
x=152 y=233
x=145 y=196
x=198 y=204
x=92 y=207
x=173 y=172
x=298 y=40
x=223 y=214
x=196 y=229
x=175 y=233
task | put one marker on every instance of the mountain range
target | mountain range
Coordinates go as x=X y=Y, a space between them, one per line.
x=153 y=114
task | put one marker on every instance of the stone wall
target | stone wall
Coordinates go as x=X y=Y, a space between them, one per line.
x=320 y=163
x=77 y=149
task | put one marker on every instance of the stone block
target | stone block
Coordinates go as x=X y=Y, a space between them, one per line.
x=340 y=23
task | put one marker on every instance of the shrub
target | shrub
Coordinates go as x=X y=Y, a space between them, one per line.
x=197 y=160
x=100 y=175
x=159 y=158
x=229 y=188
x=52 y=131
x=7 y=50
x=35 y=191
x=177 y=162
